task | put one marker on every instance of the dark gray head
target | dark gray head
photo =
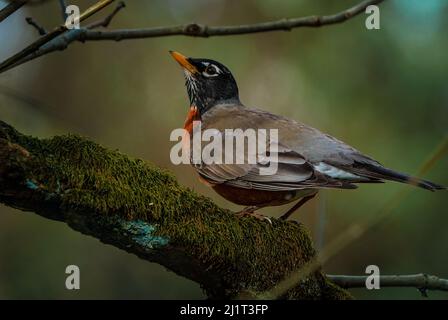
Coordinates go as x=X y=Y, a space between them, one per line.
x=208 y=82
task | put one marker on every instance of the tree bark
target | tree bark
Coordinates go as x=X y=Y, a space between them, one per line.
x=141 y=209
x=10 y=8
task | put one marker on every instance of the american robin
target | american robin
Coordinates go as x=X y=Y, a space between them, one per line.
x=308 y=160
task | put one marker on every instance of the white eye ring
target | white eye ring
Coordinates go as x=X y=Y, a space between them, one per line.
x=210 y=67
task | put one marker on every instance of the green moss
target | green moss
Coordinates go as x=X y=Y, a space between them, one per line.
x=83 y=177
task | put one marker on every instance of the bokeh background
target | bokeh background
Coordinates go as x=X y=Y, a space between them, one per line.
x=383 y=91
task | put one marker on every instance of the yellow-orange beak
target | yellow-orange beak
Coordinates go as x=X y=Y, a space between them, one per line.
x=183 y=61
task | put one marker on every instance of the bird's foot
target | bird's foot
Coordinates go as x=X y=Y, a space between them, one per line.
x=250 y=211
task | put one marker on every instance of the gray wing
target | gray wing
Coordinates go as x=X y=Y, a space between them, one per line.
x=325 y=156
x=292 y=172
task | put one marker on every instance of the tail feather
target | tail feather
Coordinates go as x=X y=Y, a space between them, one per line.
x=388 y=174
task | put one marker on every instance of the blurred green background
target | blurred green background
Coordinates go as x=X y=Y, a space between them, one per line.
x=383 y=91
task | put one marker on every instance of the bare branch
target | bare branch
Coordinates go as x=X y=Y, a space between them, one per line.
x=50 y=36
x=63 y=6
x=31 y=48
x=59 y=43
x=422 y=282
x=108 y=19
x=94 y=9
x=39 y=28
x=12 y=7
x=192 y=30
x=198 y=30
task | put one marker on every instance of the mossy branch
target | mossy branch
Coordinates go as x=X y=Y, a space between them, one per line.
x=141 y=209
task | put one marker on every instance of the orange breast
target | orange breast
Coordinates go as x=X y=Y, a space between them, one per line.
x=193 y=115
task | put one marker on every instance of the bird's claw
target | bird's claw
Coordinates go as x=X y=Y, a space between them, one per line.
x=251 y=213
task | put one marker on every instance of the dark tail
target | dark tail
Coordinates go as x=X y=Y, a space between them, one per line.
x=388 y=174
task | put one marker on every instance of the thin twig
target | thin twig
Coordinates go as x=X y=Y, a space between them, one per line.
x=63 y=6
x=192 y=30
x=50 y=36
x=108 y=19
x=94 y=9
x=38 y=27
x=32 y=48
x=12 y=7
x=59 y=43
x=422 y=282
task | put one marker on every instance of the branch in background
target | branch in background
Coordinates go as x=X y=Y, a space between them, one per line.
x=198 y=30
x=192 y=30
x=10 y=8
x=15 y=5
x=108 y=19
x=31 y=48
x=63 y=6
x=59 y=43
x=41 y=30
x=62 y=41
x=422 y=282
x=141 y=209
x=50 y=36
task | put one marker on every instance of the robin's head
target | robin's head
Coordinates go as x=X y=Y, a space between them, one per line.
x=208 y=82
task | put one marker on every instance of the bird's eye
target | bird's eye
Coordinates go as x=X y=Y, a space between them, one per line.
x=210 y=71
